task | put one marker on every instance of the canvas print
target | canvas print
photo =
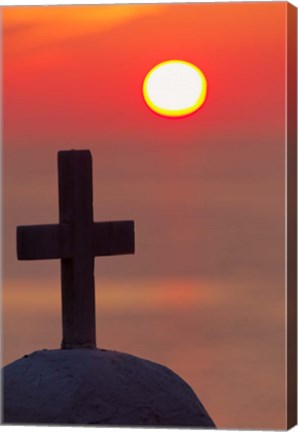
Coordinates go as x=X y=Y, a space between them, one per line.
x=149 y=215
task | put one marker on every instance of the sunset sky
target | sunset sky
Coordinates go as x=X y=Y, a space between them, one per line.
x=204 y=293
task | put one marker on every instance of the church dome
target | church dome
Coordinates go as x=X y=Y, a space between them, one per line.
x=99 y=387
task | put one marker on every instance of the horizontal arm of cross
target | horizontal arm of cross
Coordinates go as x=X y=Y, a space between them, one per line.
x=113 y=238
x=56 y=241
x=44 y=241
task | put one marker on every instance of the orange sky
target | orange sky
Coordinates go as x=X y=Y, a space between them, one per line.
x=83 y=67
x=207 y=191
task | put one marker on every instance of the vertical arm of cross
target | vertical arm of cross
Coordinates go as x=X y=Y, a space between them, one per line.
x=77 y=273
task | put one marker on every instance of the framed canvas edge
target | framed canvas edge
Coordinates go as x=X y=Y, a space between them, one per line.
x=291 y=216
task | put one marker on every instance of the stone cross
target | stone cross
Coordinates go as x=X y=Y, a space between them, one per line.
x=76 y=240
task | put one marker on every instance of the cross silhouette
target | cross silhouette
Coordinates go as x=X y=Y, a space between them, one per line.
x=76 y=240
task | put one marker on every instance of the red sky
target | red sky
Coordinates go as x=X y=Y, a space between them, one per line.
x=206 y=191
x=67 y=52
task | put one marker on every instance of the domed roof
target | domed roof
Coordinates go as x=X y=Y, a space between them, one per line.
x=95 y=386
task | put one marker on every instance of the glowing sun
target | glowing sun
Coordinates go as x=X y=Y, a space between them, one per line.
x=175 y=88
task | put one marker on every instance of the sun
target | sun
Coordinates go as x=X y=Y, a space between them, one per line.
x=175 y=88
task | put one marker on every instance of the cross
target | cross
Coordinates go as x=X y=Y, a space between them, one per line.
x=76 y=240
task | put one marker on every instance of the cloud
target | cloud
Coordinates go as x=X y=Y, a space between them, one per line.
x=25 y=27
